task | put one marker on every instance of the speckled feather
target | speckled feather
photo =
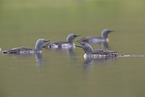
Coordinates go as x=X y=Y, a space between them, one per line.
x=18 y=49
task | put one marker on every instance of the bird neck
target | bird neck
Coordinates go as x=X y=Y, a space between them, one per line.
x=88 y=49
x=70 y=39
x=104 y=35
x=38 y=46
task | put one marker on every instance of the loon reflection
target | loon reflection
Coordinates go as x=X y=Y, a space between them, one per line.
x=39 y=61
x=38 y=57
x=88 y=63
x=69 y=51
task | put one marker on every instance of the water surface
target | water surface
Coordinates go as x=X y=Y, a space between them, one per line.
x=65 y=73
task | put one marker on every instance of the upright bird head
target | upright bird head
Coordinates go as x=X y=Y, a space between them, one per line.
x=71 y=37
x=39 y=43
x=105 y=33
x=86 y=47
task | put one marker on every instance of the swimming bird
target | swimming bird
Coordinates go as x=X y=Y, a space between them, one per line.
x=62 y=44
x=98 y=53
x=27 y=50
x=96 y=39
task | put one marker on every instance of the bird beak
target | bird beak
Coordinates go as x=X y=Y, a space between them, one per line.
x=46 y=40
x=77 y=35
x=80 y=42
x=78 y=46
x=111 y=31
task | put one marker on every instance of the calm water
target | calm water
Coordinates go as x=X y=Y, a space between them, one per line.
x=65 y=73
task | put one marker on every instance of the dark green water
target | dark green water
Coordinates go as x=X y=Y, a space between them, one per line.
x=57 y=74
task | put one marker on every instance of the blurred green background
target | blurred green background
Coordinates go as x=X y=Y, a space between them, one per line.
x=22 y=22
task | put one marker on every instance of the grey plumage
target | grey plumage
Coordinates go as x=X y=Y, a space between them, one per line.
x=97 y=39
x=69 y=40
x=22 y=50
x=98 y=52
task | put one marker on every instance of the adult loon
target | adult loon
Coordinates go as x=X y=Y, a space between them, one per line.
x=98 y=53
x=96 y=39
x=27 y=50
x=62 y=44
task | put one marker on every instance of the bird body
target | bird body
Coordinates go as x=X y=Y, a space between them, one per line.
x=98 y=53
x=97 y=39
x=63 y=44
x=27 y=50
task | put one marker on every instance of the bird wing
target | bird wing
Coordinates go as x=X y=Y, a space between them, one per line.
x=18 y=49
x=103 y=51
x=86 y=39
x=58 y=42
x=21 y=49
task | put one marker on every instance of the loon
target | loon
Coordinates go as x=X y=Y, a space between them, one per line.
x=27 y=50
x=96 y=39
x=96 y=54
x=62 y=44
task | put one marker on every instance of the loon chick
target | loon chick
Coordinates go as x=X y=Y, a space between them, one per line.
x=27 y=50
x=62 y=44
x=96 y=39
x=98 y=53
